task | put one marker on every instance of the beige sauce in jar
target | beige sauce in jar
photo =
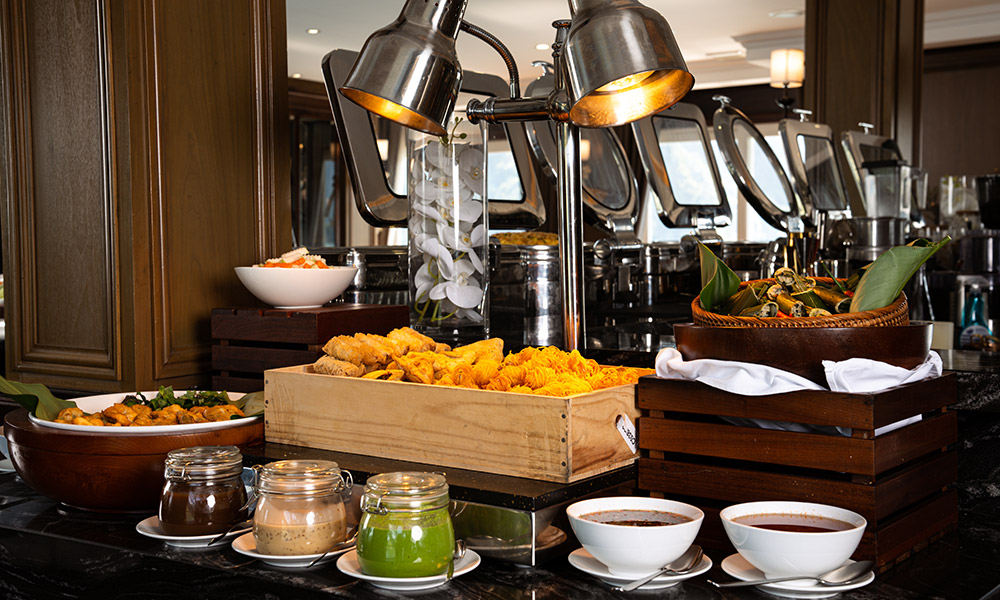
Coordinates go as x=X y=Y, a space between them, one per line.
x=298 y=539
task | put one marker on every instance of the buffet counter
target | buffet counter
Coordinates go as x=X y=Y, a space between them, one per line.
x=51 y=551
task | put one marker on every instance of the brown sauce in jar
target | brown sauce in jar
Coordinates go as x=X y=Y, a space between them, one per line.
x=191 y=509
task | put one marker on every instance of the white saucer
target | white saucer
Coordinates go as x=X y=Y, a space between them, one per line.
x=348 y=565
x=738 y=567
x=581 y=559
x=247 y=545
x=151 y=528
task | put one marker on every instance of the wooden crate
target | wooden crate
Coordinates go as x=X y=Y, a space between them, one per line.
x=538 y=437
x=250 y=341
x=898 y=481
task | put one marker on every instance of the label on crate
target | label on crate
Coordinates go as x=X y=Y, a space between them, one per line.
x=627 y=429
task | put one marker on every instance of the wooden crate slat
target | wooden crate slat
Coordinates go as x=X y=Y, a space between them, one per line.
x=816 y=451
x=914 y=528
x=256 y=359
x=913 y=441
x=901 y=402
x=857 y=411
x=735 y=485
x=307 y=326
x=237 y=384
x=817 y=408
x=911 y=485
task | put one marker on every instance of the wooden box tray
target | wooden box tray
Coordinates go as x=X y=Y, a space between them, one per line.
x=899 y=481
x=537 y=437
x=248 y=341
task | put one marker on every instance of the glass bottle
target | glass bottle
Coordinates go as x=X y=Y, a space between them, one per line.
x=448 y=232
x=974 y=327
x=300 y=509
x=405 y=528
x=203 y=493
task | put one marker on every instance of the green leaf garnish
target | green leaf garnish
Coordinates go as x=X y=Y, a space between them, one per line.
x=885 y=278
x=718 y=282
x=36 y=398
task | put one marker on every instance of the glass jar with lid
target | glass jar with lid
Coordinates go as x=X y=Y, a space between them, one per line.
x=300 y=509
x=203 y=493
x=405 y=528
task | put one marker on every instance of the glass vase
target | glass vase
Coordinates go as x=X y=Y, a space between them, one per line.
x=448 y=232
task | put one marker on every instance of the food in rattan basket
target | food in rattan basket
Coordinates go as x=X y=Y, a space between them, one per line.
x=896 y=313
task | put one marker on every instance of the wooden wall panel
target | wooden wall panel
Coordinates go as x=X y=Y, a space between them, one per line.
x=147 y=156
x=63 y=310
x=204 y=170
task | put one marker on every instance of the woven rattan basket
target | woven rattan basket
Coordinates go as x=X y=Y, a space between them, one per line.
x=897 y=313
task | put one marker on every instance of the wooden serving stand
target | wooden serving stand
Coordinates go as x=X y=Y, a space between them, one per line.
x=249 y=341
x=899 y=481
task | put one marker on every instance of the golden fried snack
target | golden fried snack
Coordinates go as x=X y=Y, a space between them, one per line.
x=385 y=375
x=418 y=366
x=332 y=366
x=416 y=341
x=349 y=349
x=390 y=346
x=491 y=348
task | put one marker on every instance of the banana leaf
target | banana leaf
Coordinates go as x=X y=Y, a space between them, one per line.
x=718 y=282
x=810 y=299
x=885 y=278
x=740 y=301
x=36 y=398
x=251 y=404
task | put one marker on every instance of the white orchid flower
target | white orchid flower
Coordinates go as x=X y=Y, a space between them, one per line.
x=470 y=168
x=463 y=289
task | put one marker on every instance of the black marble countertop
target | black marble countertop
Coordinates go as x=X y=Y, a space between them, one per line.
x=50 y=551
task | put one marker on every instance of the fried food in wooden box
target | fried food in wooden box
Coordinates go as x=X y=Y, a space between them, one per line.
x=408 y=355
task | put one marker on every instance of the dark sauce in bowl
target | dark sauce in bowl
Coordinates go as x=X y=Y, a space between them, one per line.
x=793 y=522
x=636 y=517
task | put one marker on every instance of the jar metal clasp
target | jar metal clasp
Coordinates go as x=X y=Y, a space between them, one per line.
x=378 y=509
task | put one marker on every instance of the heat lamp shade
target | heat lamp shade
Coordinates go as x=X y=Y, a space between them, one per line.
x=408 y=71
x=788 y=68
x=623 y=63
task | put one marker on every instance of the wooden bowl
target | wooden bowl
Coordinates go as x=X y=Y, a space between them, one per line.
x=802 y=351
x=100 y=472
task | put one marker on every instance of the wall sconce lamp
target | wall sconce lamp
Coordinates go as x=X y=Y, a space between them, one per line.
x=616 y=61
x=788 y=67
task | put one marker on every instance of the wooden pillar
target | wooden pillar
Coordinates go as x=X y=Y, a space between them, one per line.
x=864 y=63
x=143 y=154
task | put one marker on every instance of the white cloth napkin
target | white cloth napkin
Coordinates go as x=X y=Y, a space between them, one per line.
x=854 y=375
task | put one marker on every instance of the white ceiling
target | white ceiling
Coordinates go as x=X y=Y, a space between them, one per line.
x=725 y=42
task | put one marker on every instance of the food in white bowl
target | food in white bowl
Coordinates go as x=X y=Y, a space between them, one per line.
x=792 y=539
x=638 y=536
x=296 y=279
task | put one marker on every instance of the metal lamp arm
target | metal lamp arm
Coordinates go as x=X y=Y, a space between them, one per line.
x=496 y=44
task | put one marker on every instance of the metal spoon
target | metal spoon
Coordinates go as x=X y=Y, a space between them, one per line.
x=844 y=575
x=684 y=564
x=339 y=546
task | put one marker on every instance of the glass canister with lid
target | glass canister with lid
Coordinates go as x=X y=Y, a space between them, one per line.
x=203 y=493
x=405 y=529
x=300 y=509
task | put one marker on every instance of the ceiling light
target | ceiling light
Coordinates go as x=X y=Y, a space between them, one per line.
x=541 y=46
x=786 y=13
x=296 y=75
x=312 y=31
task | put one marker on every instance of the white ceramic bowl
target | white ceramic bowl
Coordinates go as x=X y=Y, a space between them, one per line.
x=630 y=551
x=296 y=288
x=793 y=553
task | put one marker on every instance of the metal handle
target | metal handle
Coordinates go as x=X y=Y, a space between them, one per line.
x=730 y=584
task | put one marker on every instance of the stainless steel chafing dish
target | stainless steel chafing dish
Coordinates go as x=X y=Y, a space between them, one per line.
x=382 y=273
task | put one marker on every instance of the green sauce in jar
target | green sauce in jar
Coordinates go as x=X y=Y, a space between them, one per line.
x=405 y=528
